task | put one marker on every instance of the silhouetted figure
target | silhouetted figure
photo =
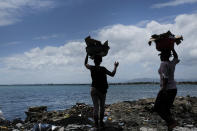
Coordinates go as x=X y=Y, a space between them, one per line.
x=168 y=91
x=99 y=87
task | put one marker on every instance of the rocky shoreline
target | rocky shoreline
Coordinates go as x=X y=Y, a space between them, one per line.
x=122 y=116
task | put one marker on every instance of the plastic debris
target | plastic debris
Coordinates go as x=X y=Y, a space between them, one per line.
x=3 y=128
x=19 y=125
x=121 y=123
x=109 y=118
x=42 y=127
x=66 y=116
x=90 y=119
x=105 y=118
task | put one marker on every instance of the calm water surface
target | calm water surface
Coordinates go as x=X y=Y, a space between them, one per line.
x=14 y=100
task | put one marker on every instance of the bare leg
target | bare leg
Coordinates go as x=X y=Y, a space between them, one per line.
x=95 y=100
x=102 y=108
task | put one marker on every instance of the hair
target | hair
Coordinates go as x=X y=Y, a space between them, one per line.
x=97 y=60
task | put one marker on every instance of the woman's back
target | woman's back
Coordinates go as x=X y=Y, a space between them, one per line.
x=99 y=78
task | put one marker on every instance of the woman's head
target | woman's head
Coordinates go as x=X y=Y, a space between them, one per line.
x=165 y=55
x=97 y=60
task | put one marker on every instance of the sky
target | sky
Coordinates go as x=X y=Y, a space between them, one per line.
x=42 y=41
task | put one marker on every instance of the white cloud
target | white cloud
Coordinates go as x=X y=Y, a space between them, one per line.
x=49 y=57
x=128 y=45
x=174 y=3
x=11 y=11
x=142 y=23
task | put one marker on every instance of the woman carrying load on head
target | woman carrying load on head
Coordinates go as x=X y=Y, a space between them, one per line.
x=168 y=91
x=99 y=87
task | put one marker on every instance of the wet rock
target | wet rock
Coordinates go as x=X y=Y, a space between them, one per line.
x=37 y=109
x=17 y=120
x=4 y=122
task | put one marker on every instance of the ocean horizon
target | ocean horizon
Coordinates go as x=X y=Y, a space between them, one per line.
x=16 y=99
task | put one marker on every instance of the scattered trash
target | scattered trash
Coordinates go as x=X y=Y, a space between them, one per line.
x=109 y=118
x=190 y=126
x=121 y=124
x=54 y=127
x=42 y=127
x=45 y=127
x=19 y=125
x=66 y=116
x=88 y=126
x=107 y=113
x=3 y=128
x=61 y=129
x=105 y=118
x=91 y=119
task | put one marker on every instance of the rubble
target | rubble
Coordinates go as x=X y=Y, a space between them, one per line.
x=122 y=116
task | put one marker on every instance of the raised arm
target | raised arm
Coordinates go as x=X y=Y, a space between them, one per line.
x=86 y=62
x=174 y=54
x=112 y=74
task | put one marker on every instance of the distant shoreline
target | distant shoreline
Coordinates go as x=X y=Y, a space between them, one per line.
x=124 y=83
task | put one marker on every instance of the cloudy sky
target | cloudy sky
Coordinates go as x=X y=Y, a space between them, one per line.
x=42 y=41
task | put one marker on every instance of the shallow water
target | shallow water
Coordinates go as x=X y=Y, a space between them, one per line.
x=14 y=100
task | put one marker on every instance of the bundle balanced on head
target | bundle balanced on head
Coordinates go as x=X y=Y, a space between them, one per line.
x=165 y=98
x=96 y=51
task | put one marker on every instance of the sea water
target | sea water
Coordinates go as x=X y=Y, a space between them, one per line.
x=15 y=100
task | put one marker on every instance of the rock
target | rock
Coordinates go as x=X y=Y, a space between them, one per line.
x=76 y=127
x=70 y=120
x=41 y=126
x=127 y=115
x=73 y=127
x=3 y=128
x=148 y=129
x=15 y=130
x=4 y=122
x=61 y=129
x=19 y=125
x=190 y=126
x=17 y=120
x=37 y=109
x=36 y=114
x=184 y=129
